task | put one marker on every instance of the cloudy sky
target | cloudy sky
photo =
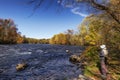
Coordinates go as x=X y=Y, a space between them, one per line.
x=43 y=23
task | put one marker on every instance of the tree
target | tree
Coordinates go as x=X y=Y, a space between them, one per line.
x=101 y=31
x=8 y=31
x=52 y=40
x=83 y=31
x=19 y=38
x=69 y=34
x=75 y=40
x=59 y=39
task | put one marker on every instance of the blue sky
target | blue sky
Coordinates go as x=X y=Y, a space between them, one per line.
x=43 y=23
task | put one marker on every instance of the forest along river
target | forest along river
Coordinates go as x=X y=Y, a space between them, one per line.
x=45 y=62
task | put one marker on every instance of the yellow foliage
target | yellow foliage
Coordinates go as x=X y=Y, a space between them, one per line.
x=59 y=39
x=19 y=39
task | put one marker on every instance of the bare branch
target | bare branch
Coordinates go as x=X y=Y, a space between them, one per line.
x=101 y=7
x=66 y=3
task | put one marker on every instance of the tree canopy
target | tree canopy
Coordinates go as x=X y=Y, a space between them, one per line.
x=9 y=32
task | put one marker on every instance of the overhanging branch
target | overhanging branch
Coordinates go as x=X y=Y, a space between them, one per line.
x=104 y=8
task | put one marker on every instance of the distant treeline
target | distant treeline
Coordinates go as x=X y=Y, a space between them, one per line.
x=9 y=34
x=92 y=31
x=35 y=41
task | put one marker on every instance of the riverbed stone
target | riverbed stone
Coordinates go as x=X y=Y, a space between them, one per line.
x=21 y=66
x=74 y=58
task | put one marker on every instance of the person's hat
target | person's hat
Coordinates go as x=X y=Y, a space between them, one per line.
x=102 y=46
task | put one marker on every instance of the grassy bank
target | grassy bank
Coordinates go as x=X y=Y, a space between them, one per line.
x=92 y=66
x=90 y=62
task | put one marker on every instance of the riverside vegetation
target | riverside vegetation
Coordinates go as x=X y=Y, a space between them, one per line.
x=90 y=62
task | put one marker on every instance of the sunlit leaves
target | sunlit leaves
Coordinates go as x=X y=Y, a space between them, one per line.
x=101 y=30
x=8 y=32
x=59 y=39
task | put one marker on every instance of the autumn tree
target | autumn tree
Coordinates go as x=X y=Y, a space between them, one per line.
x=101 y=31
x=76 y=40
x=52 y=40
x=19 y=38
x=83 y=31
x=43 y=41
x=8 y=31
x=59 y=39
x=69 y=34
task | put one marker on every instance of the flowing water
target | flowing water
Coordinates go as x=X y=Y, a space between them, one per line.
x=45 y=62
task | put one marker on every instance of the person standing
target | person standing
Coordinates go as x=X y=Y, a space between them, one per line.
x=103 y=60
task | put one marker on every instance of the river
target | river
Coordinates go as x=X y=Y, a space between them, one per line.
x=45 y=62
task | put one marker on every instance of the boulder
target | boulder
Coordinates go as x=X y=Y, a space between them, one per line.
x=21 y=66
x=74 y=58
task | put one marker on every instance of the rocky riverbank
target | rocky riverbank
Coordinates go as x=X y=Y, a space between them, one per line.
x=45 y=62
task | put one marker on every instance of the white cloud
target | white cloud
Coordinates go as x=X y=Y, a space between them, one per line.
x=76 y=11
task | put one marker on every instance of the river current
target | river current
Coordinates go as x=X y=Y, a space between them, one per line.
x=45 y=62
